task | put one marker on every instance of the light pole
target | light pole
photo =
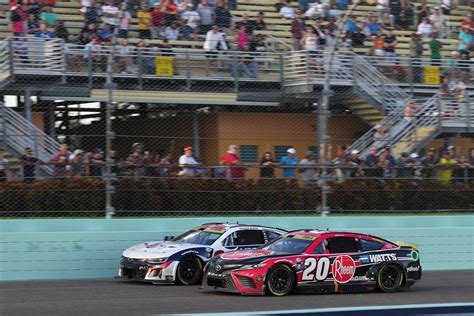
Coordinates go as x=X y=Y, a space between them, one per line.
x=323 y=114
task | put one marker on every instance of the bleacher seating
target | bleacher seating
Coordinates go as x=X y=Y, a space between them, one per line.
x=278 y=29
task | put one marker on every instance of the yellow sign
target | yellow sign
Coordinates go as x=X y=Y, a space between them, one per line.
x=164 y=66
x=432 y=75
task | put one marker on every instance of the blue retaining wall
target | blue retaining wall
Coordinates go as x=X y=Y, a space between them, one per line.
x=90 y=248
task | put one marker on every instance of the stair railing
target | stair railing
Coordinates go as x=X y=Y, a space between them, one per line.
x=17 y=134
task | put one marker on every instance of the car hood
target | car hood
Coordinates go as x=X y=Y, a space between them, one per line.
x=157 y=249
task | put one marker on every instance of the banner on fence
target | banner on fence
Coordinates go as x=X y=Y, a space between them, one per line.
x=164 y=66
x=432 y=75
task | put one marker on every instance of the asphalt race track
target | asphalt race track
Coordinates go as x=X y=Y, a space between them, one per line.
x=113 y=297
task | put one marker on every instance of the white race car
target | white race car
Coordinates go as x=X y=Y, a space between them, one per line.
x=181 y=260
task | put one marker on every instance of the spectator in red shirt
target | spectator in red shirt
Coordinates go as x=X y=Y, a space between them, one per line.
x=17 y=18
x=157 y=20
x=231 y=158
x=468 y=24
x=171 y=12
x=60 y=162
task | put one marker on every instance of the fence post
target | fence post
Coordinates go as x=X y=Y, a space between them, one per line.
x=89 y=67
x=140 y=68
x=188 y=72
x=64 y=62
x=11 y=56
x=412 y=77
x=282 y=73
x=3 y=139
x=236 y=73
x=196 y=142
x=440 y=110
x=383 y=96
x=110 y=163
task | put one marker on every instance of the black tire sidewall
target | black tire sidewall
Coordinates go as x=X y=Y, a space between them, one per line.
x=269 y=289
x=380 y=286
x=197 y=279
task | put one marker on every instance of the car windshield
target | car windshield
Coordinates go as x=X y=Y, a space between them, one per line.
x=289 y=244
x=201 y=237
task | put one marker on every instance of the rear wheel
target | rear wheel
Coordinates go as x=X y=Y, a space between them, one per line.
x=280 y=280
x=189 y=271
x=389 y=278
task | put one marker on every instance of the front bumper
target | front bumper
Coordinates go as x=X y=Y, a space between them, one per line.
x=139 y=271
x=232 y=282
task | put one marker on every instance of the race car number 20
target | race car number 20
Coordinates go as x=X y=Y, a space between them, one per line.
x=316 y=269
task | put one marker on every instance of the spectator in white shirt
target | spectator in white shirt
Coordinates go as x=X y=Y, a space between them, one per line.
x=124 y=24
x=85 y=3
x=172 y=32
x=214 y=39
x=438 y=22
x=191 y=18
x=187 y=163
x=110 y=13
x=383 y=6
x=425 y=28
x=287 y=12
x=446 y=5
x=124 y=59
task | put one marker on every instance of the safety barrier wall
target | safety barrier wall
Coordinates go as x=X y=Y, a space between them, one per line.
x=91 y=248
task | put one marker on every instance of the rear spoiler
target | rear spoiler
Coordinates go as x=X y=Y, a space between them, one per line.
x=405 y=245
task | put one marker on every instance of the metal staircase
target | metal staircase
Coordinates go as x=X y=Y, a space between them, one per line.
x=16 y=133
x=381 y=95
x=375 y=88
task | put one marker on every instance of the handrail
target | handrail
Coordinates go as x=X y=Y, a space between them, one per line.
x=18 y=134
x=280 y=41
x=5 y=66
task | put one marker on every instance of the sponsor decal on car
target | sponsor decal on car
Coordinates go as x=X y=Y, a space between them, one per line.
x=343 y=268
x=413 y=269
x=215 y=230
x=216 y=275
x=414 y=255
x=300 y=236
x=378 y=258
x=246 y=254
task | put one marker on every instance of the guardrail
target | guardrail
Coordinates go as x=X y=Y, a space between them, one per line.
x=54 y=57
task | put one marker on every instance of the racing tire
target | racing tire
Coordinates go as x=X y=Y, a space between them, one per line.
x=389 y=278
x=189 y=271
x=280 y=280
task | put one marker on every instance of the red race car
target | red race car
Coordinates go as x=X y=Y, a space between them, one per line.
x=324 y=261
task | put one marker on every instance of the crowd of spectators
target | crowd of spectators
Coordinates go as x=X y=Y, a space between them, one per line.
x=314 y=25
x=445 y=166
x=108 y=25
x=380 y=164
x=184 y=19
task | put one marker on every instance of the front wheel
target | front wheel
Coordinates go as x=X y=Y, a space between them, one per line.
x=280 y=280
x=389 y=278
x=189 y=271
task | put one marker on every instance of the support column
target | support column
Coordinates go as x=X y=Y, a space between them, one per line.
x=196 y=144
x=27 y=105
x=50 y=113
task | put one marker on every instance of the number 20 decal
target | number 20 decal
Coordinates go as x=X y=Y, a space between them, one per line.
x=316 y=269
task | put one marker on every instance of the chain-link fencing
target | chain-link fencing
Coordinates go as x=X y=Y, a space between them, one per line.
x=152 y=131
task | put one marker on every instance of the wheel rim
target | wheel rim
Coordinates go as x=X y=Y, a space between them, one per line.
x=188 y=270
x=390 y=278
x=280 y=280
